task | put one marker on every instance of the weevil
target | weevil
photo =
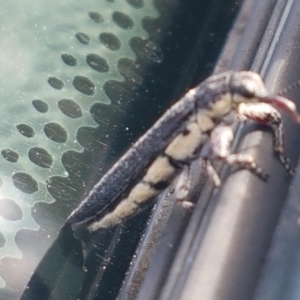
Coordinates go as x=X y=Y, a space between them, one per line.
x=198 y=126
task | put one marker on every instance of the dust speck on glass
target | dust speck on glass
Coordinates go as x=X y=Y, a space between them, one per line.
x=55 y=61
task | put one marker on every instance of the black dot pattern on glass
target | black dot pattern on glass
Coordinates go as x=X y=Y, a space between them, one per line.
x=10 y=210
x=146 y=49
x=97 y=63
x=10 y=155
x=136 y=3
x=129 y=69
x=25 y=183
x=70 y=108
x=96 y=17
x=40 y=157
x=110 y=41
x=83 y=38
x=84 y=85
x=55 y=83
x=40 y=105
x=26 y=130
x=69 y=60
x=122 y=20
x=56 y=132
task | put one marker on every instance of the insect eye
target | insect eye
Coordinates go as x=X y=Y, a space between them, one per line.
x=247 y=85
x=247 y=89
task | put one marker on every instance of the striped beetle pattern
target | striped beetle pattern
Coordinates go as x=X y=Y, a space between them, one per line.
x=198 y=126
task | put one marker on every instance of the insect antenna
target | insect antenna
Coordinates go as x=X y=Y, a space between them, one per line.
x=279 y=134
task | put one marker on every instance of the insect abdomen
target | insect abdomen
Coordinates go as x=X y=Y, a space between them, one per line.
x=180 y=151
x=178 y=135
x=115 y=186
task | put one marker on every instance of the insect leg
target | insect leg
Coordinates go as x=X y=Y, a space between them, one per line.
x=220 y=147
x=266 y=114
x=183 y=186
x=211 y=172
x=205 y=156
